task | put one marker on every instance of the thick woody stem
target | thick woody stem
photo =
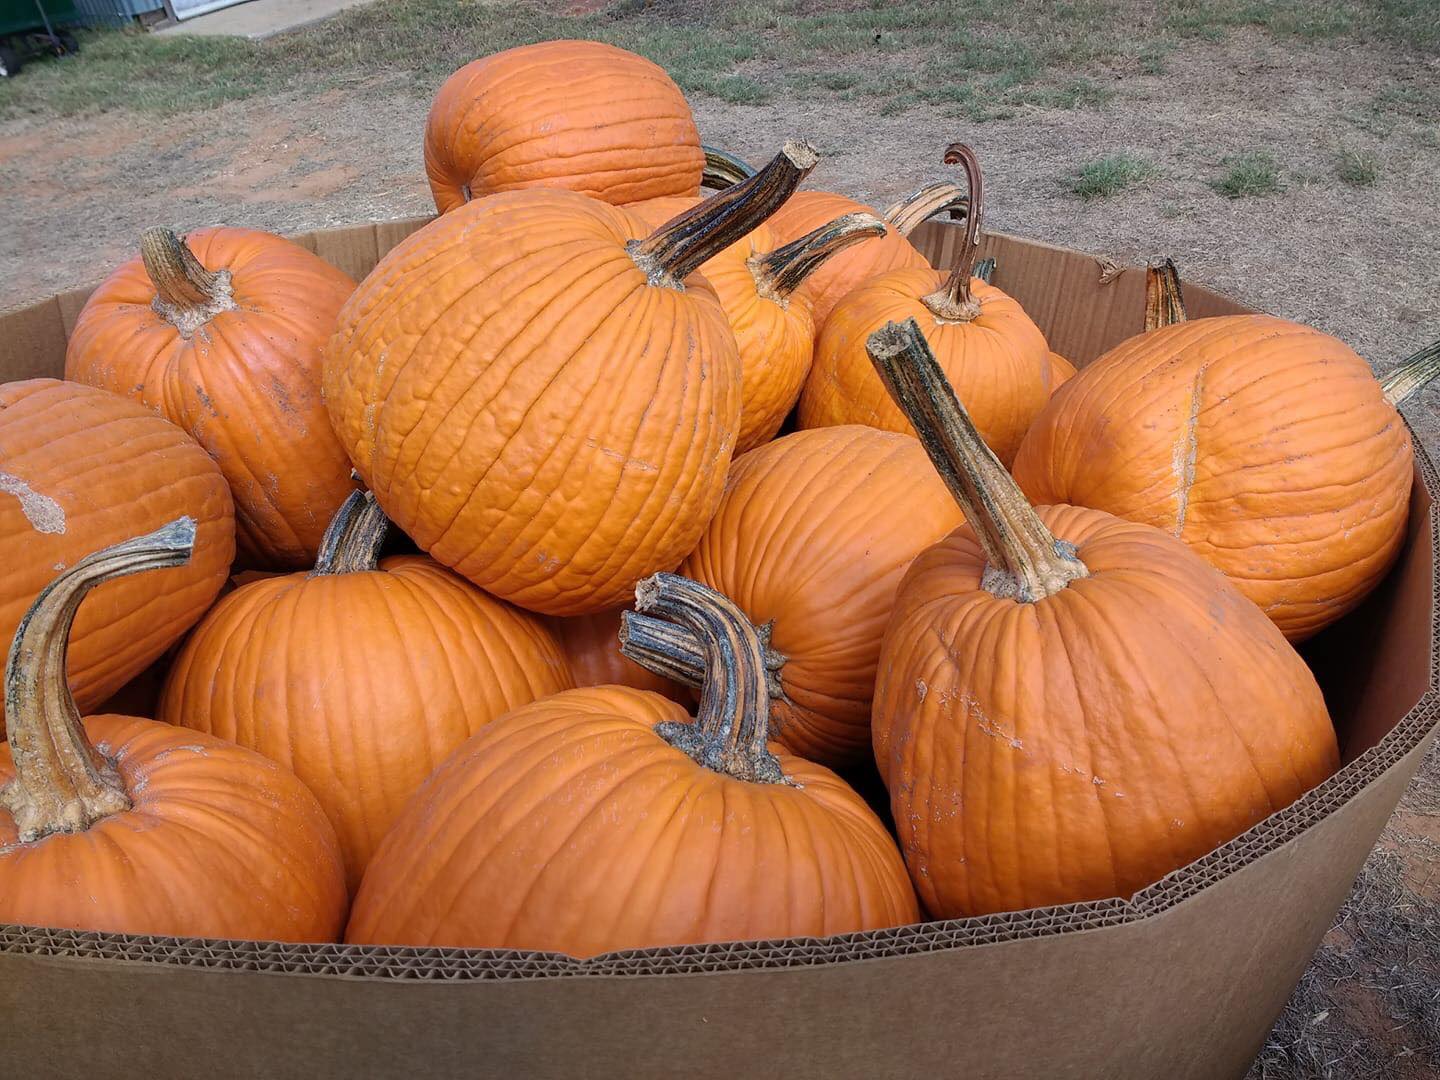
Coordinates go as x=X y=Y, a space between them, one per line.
x=1413 y=373
x=186 y=294
x=1164 y=301
x=924 y=203
x=953 y=303
x=779 y=273
x=684 y=243
x=723 y=169
x=62 y=783
x=1025 y=560
x=674 y=653
x=732 y=723
x=354 y=537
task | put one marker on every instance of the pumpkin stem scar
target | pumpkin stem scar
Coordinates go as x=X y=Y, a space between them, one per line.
x=1025 y=560
x=1164 y=301
x=953 y=302
x=1414 y=371
x=780 y=272
x=732 y=723
x=353 y=538
x=924 y=203
x=684 y=243
x=723 y=169
x=674 y=652
x=62 y=783
x=187 y=296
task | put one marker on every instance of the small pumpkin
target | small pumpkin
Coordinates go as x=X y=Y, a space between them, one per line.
x=1070 y=705
x=579 y=115
x=124 y=825
x=811 y=539
x=757 y=282
x=991 y=351
x=537 y=394
x=81 y=469
x=397 y=661
x=1266 y=446
x=606 y=818
x=591 y=644
x=222 y=334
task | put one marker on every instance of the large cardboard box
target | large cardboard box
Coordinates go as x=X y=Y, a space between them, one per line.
x=1181 y=981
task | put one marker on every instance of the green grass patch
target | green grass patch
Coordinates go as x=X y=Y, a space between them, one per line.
x=1247 y=175
x=1358 y=168
x=1109 y=175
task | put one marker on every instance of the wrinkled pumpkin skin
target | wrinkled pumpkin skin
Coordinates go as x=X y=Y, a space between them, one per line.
x=1266 y=446
x=570 y=826
x=81 y=469
x=815 y=532
x=1084 y=746
x=220 y=843
x=807 y=210
x=998 y=362
x=528 y=408
x=246 y=385
x=398 y=666
x=569 y=114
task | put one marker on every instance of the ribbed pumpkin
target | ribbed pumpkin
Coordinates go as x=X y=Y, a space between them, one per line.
x=81 y=469
x=813 y=535
x=222 y=333
x=362 y=675
x=994 y=355
x=1268 y=447
x=605 y=819
x=566 y=114
x=758 y=284
x=537 y=394
x=591 y=644
x=124 y=825
x=1059 y=372
x=1071 y=705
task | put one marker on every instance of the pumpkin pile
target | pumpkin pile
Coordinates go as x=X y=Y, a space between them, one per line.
x=563 y=583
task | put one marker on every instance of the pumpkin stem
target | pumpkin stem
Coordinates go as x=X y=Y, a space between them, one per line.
x=62 y=783
x=924 y=203
x=353 y=538
x=985 y=269
x=953 y=303
x=1164 y=302
x=679 y=247
x=732 y=723
x=779 y=273
x=674 y=653
x=1414 y=372
x=187 y=296
x=1025 y=561
x=723 y=169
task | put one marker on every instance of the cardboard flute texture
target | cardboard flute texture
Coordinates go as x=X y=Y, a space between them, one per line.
x=1183 y=980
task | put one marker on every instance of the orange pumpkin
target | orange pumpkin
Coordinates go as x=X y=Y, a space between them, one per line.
x=994 y=355
x=812 y=537
x=1059 y=372
x=591 y=644
x=758 y=288
x=222 y=334
x=605 y=819
x=399 y=662
x=1070 y=705
x=123 y=825
x=81 y=469
x=565 y=114
x=538 y=396
x=1266 y=446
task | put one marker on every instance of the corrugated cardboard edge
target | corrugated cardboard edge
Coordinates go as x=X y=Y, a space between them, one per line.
x=1039 y=276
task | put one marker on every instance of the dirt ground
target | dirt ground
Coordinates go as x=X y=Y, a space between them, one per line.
x=1360 y=262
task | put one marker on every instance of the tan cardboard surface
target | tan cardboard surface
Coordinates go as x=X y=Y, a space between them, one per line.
x=1183 y=981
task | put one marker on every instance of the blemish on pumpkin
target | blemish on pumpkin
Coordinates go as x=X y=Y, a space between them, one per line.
x=44 y=513
x=921 y=689
x=1183 y=459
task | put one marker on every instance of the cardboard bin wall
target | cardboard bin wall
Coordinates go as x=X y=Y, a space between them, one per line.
x=1182 y=980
